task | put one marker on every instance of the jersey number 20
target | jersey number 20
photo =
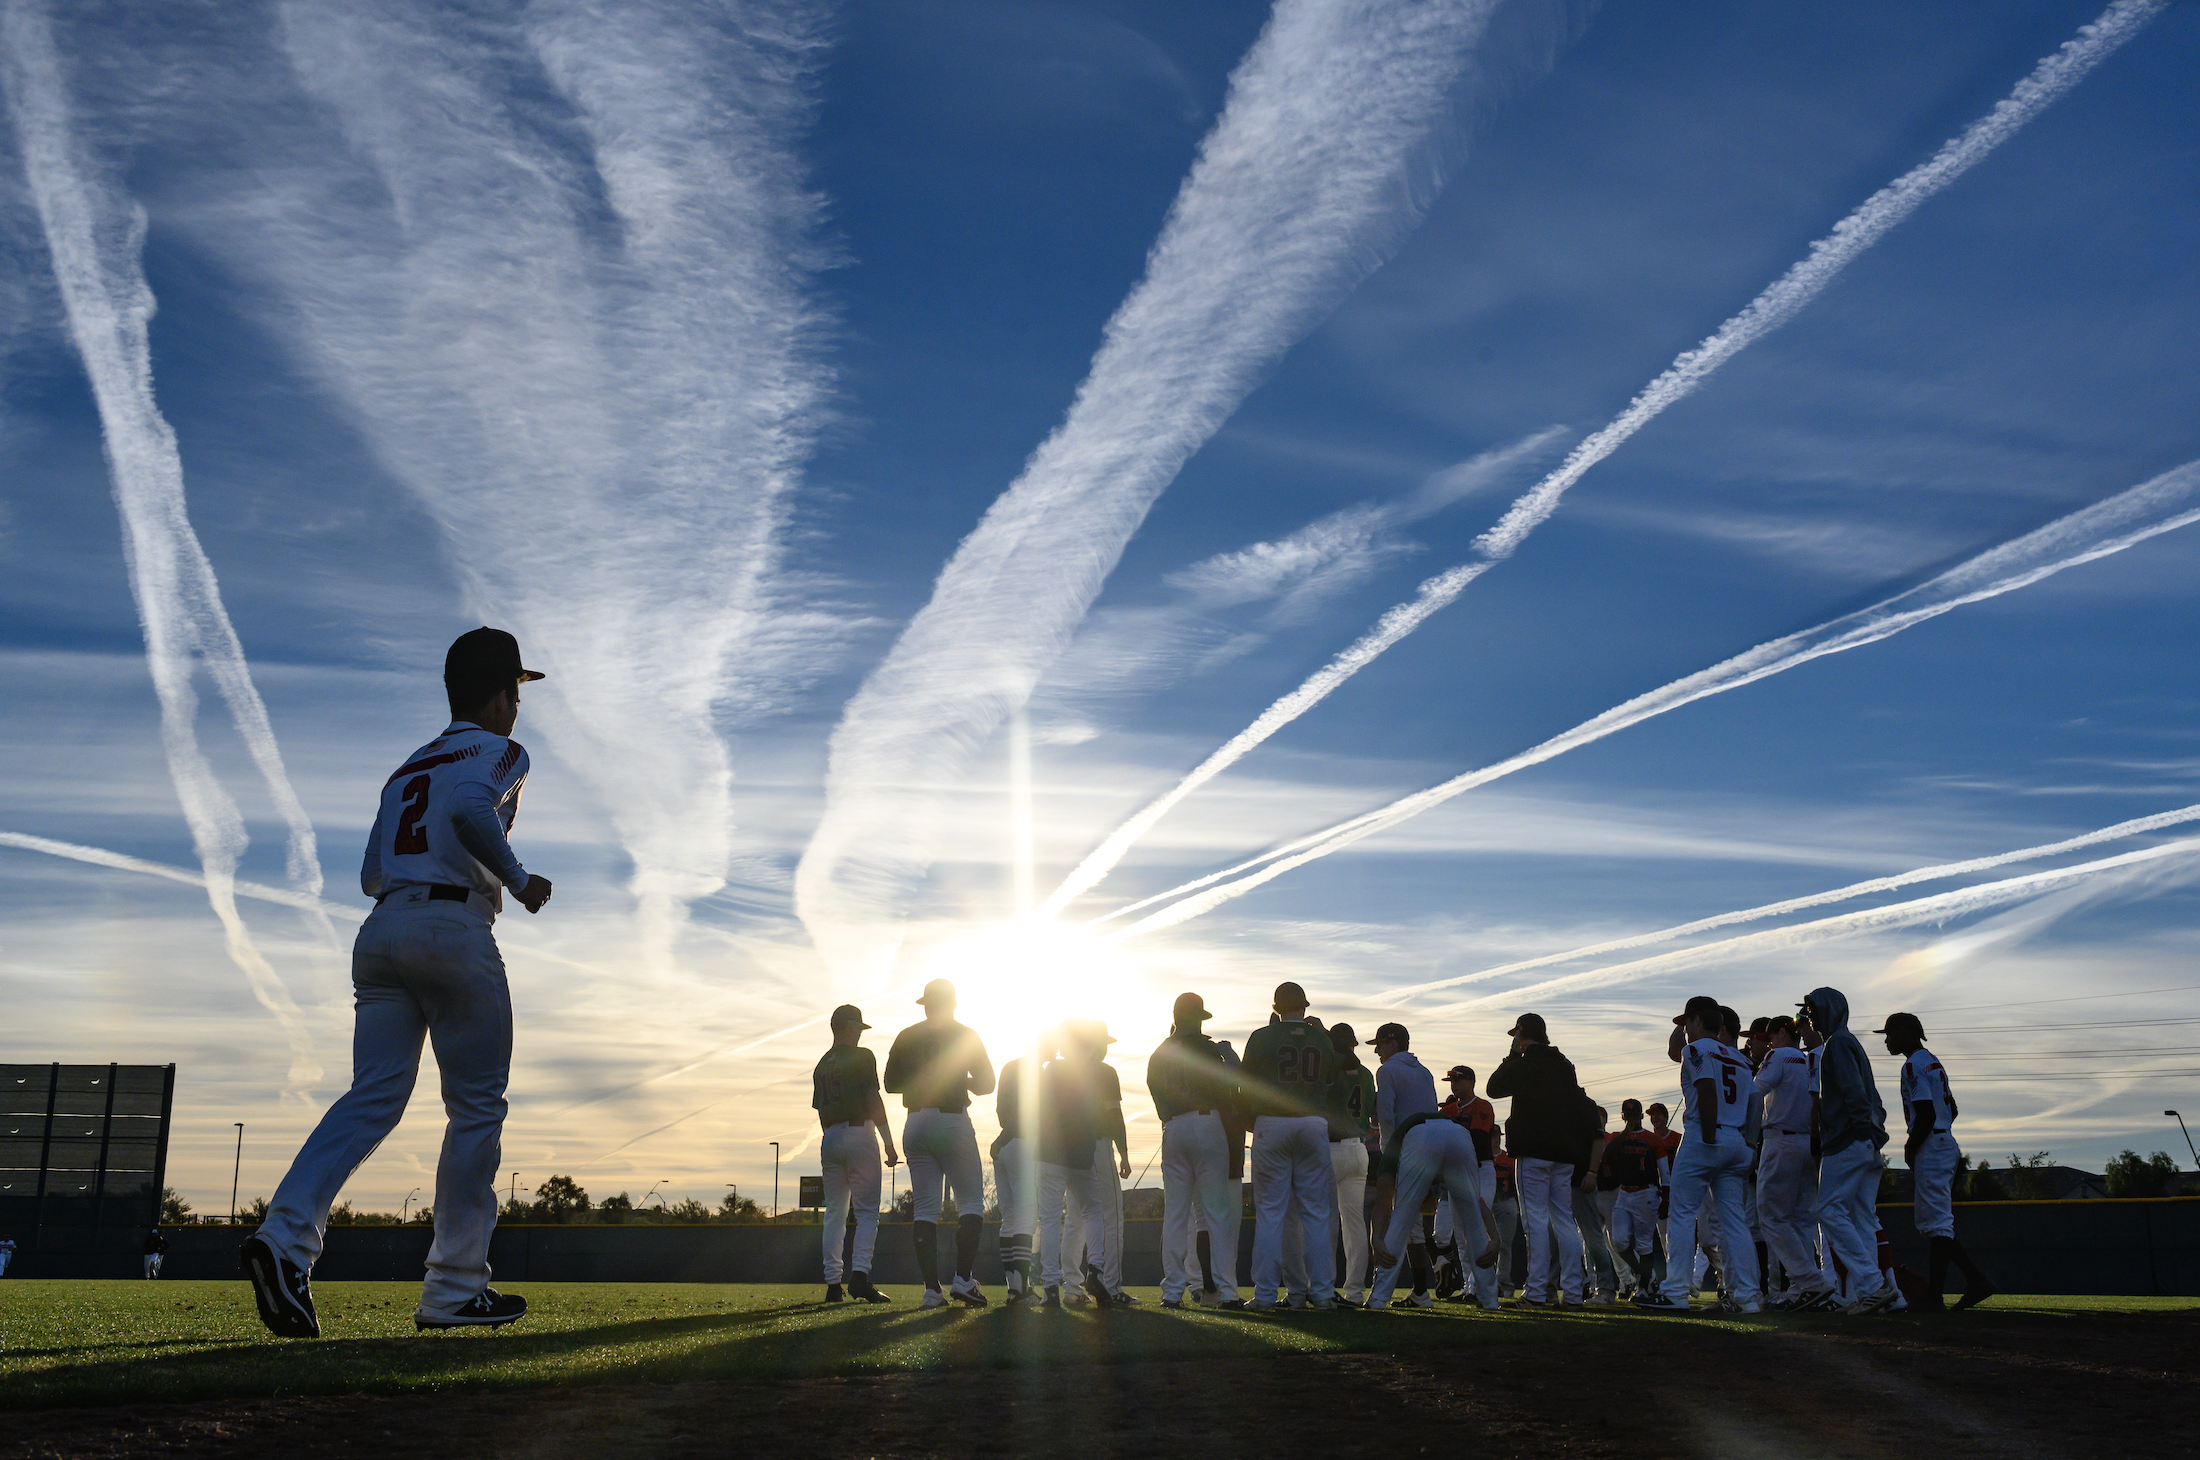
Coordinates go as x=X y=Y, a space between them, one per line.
x=412 y=837
x=1295 y=1063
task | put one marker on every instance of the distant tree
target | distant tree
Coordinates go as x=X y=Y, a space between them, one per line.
x=341 y=1215
x=688 y=1211
x=904 y=1208
x=253 y=1212
x=174 y=1210
x=2129 y=1175
x=2029 y=1179
x=421 y=1217
x=515 y=1210
x=558 y=1199
x=620 y=1203
x=1984 y=1185
x=738 y=1208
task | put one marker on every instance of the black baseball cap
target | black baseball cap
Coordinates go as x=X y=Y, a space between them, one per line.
x=1343 y=1038
x=849 y=1014
x=1459 y=1072
x=1395 y=1033
x=1528 y=1024
x=484 y=656
x=1702 y=1007
x=1190 y=1007
x=1903 y=1024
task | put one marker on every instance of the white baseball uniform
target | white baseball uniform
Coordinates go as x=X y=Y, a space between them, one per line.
x=1432 y=1150
x=843 y=1086
x=1933 y=1174
x=1195 y=1171
x=1712 y=1172
x=426 y=965
x=1787 y=1177
x=936 y=1066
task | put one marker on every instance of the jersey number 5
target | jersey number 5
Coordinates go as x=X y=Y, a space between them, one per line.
x=412 y=837
x=1726 y=1081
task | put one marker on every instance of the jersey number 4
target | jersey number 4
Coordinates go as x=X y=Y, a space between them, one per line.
x=412 y=837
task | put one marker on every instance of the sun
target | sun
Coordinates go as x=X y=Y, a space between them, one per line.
x=1014 y=980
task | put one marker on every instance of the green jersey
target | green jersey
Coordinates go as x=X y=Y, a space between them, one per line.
x=842 y=1086
x=1289 y=1069
x=1353 y=1114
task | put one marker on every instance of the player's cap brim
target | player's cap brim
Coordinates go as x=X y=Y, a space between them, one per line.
x=528 y=674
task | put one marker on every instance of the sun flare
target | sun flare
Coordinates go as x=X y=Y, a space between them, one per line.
x=1016 y=980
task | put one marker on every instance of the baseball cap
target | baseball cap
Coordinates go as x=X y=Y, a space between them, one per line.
x=849 y=1014
x=1459 y=1072
x=1529 y=1024
x=1396 y=1033
x=939 y=990
x=1702 y=1007
x=1761 y=1025
x=1903 y=1024
x=484 y=656
x=1190 y=1006
x=1343 y=1038
x=1088 y=1031
x=1289 y=993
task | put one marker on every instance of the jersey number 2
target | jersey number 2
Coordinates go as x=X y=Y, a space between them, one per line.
x=412 y=838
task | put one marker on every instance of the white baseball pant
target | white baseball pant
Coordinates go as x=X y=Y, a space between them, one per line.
x=1435 y=1150
x=1058 y=1183
x=848 y=1152
x=1711 y=1176
x=1348 y=1202
x=420 y=969
x=942 y=1150
x=152 y=1265
x=7 y=1255
x=1635 y=1220
x=1787 y=1208
x=1932 y=1186
x=1104 y=1225
x=1547 y=1211
x=1484 y=1278
x=1292 y=1176
x=1016 y=1187
x=1195 y=1173
x=1848 y=1216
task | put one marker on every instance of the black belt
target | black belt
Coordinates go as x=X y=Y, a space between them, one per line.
x=437 y=892
x=1209 y=1111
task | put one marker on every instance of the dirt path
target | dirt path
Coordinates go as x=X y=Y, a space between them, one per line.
x=2067 y=1386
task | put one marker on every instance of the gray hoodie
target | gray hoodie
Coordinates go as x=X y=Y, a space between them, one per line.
x=1849 y=1109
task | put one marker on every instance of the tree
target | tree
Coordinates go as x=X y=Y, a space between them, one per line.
x=174 y=1210
x=422 y=1217
x=2128 y=1175
x=904 y=1208
x=615 y=1209
x=738 y=1208
x=559 y=1198
x=688 y=1210
x=253 y=1212
x=2029 y=1179
x=1985 y=1186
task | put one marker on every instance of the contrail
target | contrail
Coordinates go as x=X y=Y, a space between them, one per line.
x=124 y=862
x=2118 y=832
x=1937 y=908
x=1316 y=168
x=559 y=271
x=95 y=243
x=1779 y=303
x=2124 y=520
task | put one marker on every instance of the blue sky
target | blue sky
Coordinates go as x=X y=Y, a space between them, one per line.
x=694 y=343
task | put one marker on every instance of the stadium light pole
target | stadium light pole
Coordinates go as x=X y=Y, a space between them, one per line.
x=236 y=1167
x=775 y=1181
x=406 y=1205
x=2188 y=1136
x=653 y=1192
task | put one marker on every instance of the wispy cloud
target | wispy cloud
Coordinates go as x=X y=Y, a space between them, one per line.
x=1316 y=168
x=562 y=284
x=2137 y=827
x=95 y=236
x=2122 y=521
x=1780 y=302
x=124 y=862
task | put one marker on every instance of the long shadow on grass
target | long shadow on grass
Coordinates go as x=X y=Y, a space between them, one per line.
x=795 y=1340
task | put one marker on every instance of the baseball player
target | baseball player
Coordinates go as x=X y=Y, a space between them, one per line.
x=1787 y=1177
x=1550 y=1136
x=1423 y=1149
x=1669 y=1142
x=1635 y=1160
x=1286 y=1083
x=1016 y=1170
x=425 y=965
x=156 y=1248
x=1596 y=1235
x=1350 y=1120
x=1192 y=1087
x=1930 y=1152
x=1852 y=1126
x=935 y=1066
x=1712 y=1159
x=7 y=1253
x=1069 y=1135
x=851 y=1115
x=1111 y=1159
x=1479 y=1117
x=1506 y=1203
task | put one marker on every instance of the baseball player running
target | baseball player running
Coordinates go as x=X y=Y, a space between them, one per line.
x=1931 y=1152
x=1286 y=1084
x=1712 y=1158
x=1192 y=1086
x=852 y=1116
x=1787 y=1177
x=935 y=1067
x=425 y=965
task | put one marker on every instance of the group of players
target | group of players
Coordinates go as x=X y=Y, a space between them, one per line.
x=1772 y=1175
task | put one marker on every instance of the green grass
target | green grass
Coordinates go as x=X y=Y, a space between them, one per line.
x=89 y=1343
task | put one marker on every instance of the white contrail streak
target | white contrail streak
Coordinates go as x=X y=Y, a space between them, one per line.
x=1796 y=904
x=95 y=243
x=1311 y=175
x=124 y=862
x=558 y=270
x=1938 y=908
x=1779 y=303
x=2137 y=827
x=2124 y=520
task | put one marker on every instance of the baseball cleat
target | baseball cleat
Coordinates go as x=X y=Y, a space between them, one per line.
x=859 y=1286
x=1207 y=1296
x=1262 y=1305
x=1870 y=1303
x=1125 y=1300
x=1172 y=1304
x=1413 y=1300
x=485 y=1309
x=1660 y=1304
x=1076 y=1297
x=934 y=1298
x=1974 y=1295
x=1600 y=1300
x=1094 y=1288
x=1235 y=1305
x=832 y=1293
x=967 y=1292
x=1053 y=1299
x=283 y=1290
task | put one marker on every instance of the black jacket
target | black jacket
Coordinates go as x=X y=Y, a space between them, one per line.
x=1552 y=1118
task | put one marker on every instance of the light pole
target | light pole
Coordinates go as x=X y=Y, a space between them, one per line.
x=653 y=1192
x=512 y=1197
x=235 y=1167
x=775 y=1181
x=2188 y=1136
x=406 y=1205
